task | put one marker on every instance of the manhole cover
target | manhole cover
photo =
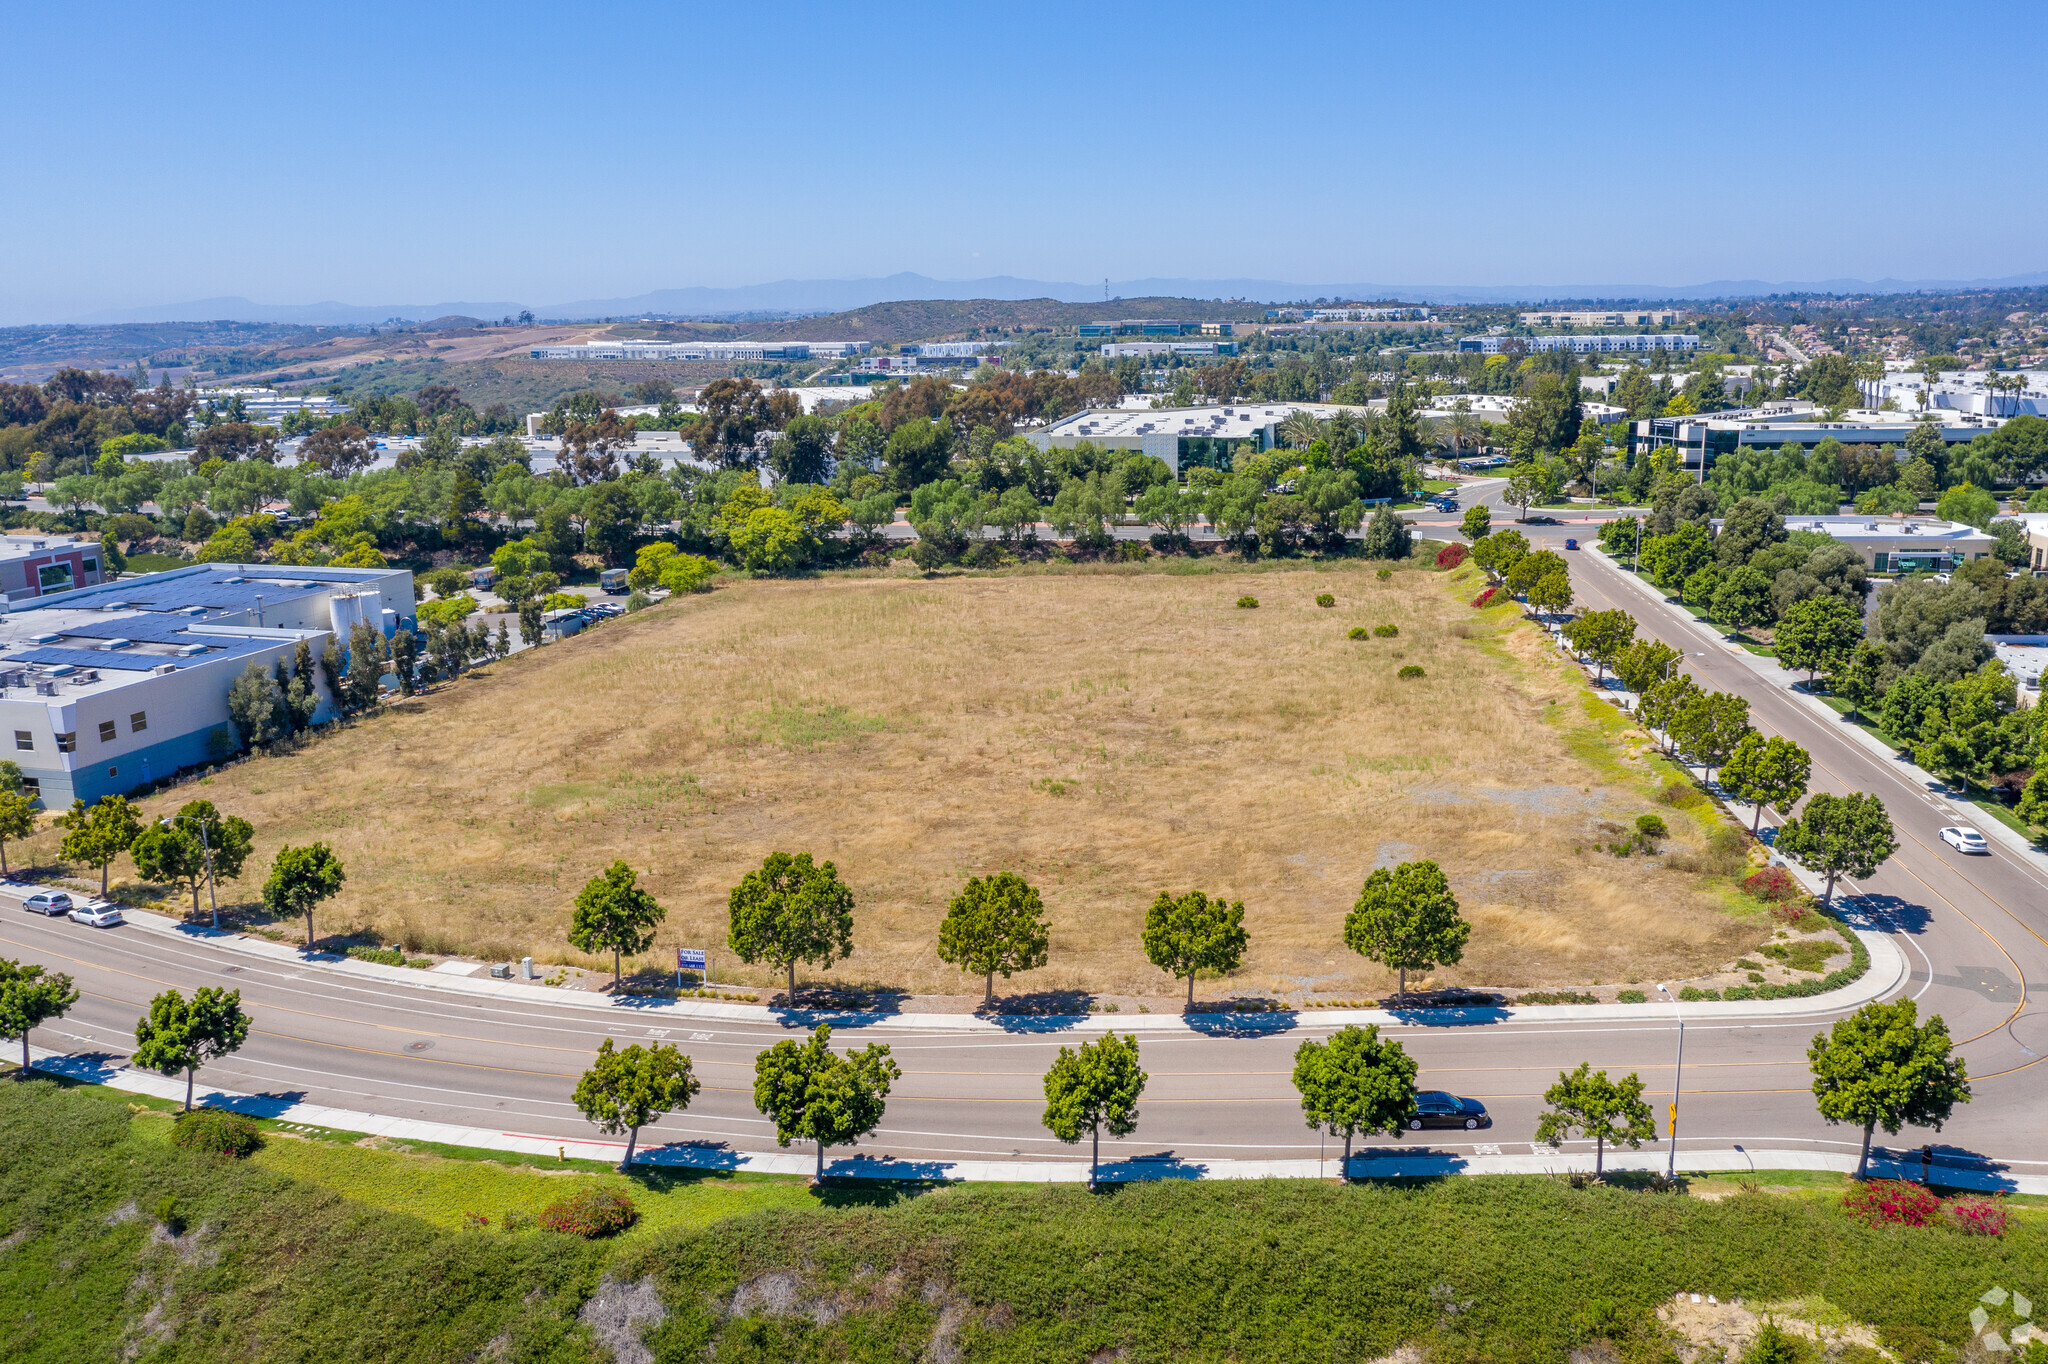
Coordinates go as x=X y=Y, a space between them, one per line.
x=419 y=1046
x=230 y=970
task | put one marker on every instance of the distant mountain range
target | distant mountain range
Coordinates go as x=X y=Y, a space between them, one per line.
x=796 y=296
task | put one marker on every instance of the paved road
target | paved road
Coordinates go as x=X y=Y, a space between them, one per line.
x=1970 y=928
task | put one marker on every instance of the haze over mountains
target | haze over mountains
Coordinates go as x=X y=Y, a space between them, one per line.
x=838 y=295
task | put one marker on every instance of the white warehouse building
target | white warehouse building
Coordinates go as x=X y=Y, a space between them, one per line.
x=113 y=687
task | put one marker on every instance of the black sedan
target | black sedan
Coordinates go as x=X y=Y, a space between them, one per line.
x=1434 y=1108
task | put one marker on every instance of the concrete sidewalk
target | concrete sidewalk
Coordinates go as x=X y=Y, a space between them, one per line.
x=1371 y=1162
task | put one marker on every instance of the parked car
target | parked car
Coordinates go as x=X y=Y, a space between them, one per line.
x=50 y=902
x=1571 y=543
x=1435 y=1108
x=1539 y=521
x=1445 y=504
x=1963 y=838
x=97 y=916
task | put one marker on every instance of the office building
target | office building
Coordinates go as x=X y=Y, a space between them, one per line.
x=1790 y=423
x=34 y=566
x=1154 y=326
x=1623 y=317
x=720 y=351
x=939 y=350
x=269 y=406
x=1604 y=343
x=1176 y=436
x=110 y=687
x=1981 y=393
x=1116 y=350
x=1900 y=544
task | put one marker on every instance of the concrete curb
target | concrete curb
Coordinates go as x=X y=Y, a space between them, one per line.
x=1368 y=1163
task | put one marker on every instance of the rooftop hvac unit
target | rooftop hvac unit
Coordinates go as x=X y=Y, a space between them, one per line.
x=162 y=668
x=118 y=644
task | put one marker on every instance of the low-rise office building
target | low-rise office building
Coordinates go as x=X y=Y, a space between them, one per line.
x=1982 y=393
x=1116 y=350
x=1616 y=317
x=1901 y=544
x=1154 y=326
x=1603 y=343
x=107 y=688
x=1709 y=435
x=722 y=351
x=1178 y=436
x=34 y=566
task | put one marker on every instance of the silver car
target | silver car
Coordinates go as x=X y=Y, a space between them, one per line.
x=97 y=916
x=50 y=902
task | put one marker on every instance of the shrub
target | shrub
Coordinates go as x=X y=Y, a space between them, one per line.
x=517 y=1219
x=383 y=956
x=1410 y=671
x=1385 y=574
x=639 y=601
x=1247 y=602
x=1651 y=826
x=1772 y=885
x=1798 y=913
x=1450 y=556
x=590 y=1213
x=1693 y=993
x=217 y=1132
x=1725 y=854
x=1892 y=1202
x=1978 y=1216
x=1359 y=632
x=1386 y=631
x=1773 y=1346
x=1486 y=598
x=1680 y=795
x=1631 y=997
x=1558 y=997
x=1325 y=599
x=1132 y=551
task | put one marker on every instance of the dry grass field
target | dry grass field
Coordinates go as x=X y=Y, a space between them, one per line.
x=1106 y=734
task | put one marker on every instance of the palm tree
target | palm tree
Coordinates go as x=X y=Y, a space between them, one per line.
x=1301 y=429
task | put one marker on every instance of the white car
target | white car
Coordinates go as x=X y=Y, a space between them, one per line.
x=50 y=902
x=1965 y=839
x=97 y=916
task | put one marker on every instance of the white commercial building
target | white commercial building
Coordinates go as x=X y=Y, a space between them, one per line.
x=269 y=406
x=1901 y=544
x=1115 y=350
x=1618 y=317
x=940 y=349
x=1602 y=344
x=723 y=351
x=1164 y=434
x=112 y=687
x=1982 y=393
x=1709 y=435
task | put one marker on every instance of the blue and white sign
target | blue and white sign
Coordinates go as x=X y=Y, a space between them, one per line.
x=689 y=959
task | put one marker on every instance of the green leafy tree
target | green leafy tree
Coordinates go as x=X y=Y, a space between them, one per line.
x=180 y=1034
x=1551 y=594
x=1764 y=772
x=1585 y=1103
x=17 y=820
x=1499 y=552
x=790 y=911
x=1642 y=663
x=1407 y=919
x=1191 y=933
x=1708 y=726
x=625 y=1090
x=1818 y=635
x=614 y=915
x=175 y=850
x=994 y=924
x=1531 y=569
x=99 y=833
x=1881 y=1067
x=1355 y=1084
x=1092 y=1088
x=1660 y=705
x=1743 y=599
x=1856 y=678
x=28 y=999
x=1601 y=636
x=1478 y=521
x=1386 y=536
x=810 y=1092
x=1968 y=504
x=300 y=878
x=1839 y=836
x=257 y=706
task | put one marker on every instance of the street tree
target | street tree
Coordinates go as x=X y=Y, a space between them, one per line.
x=1091 y=1088
x=99 y=833
x=30 y=998
x=995 y=923
x=176 y=850
x=17 y=820
x=1818 y=635
x=1355 y=1084
x=1839 y=836
x=1766 y=772
x=1659 y=707
x=1642 y=663
x=625 y=1090
x=1601 y=636
x=1407 y=919
x=1585 y=1103
x=1190 y=933
x=1881 y=1067
x=810 y=1092
x=1531 y=569
x=1478 y=521
x=1708 y=726
x=614 y=915
x=791 y=910
x=1550 y=594
x=180 y=1034
x=1499 y=552
x=299 y=879
x=1529 y=481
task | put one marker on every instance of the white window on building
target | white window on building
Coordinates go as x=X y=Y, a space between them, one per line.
x=138 y=722
x=24 y=740
x=68 y=743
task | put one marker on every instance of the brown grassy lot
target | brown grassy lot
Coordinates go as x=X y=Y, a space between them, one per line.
x=1106 y=734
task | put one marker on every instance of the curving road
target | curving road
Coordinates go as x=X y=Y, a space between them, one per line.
x=367 y=1041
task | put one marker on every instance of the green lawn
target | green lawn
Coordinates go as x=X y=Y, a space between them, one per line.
x=267 y=1259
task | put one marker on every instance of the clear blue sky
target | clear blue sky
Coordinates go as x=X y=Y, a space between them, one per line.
x=435 y=151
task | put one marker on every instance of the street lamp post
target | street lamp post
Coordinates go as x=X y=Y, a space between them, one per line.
x=1677 y=1079
x=207 y=847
